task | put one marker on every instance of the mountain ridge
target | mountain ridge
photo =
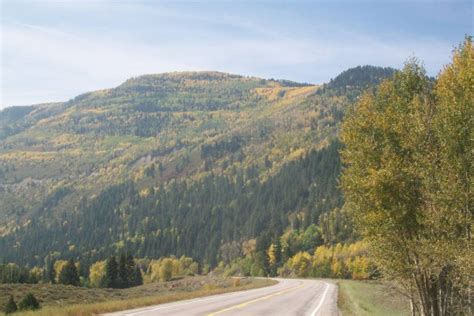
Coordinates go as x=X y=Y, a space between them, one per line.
x=153 y=134
x=209 y=73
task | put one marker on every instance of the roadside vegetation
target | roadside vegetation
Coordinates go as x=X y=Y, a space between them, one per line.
x=57 y=299
x=366 y=298
x=408 y=181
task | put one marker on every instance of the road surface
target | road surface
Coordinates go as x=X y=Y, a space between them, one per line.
x=288 y=297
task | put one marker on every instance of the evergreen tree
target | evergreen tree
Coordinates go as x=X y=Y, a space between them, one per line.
x=132 y=272
x=123 y=272
x=138 y=279
x=69 y=275
x=296 y=224
x=11 y=306
x=111 y=279
x=238 y=207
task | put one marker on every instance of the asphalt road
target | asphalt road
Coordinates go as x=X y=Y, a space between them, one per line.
x=288 y=297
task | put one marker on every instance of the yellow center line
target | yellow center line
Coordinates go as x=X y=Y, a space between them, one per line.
x=255 y=300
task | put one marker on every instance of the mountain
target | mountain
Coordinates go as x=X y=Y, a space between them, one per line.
x=175 y=163
x=352 y=82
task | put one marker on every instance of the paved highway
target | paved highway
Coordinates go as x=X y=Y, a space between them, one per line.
x=288 y=297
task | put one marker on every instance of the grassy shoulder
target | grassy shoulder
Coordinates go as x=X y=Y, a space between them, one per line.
x=76 y=301
x=371 y=298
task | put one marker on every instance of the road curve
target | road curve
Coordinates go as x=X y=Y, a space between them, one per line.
x=288 y=297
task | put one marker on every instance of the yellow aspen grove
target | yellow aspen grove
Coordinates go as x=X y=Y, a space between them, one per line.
x=408 y=179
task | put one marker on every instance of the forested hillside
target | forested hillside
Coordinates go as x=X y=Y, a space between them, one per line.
x=196 y=164
x=352 y=82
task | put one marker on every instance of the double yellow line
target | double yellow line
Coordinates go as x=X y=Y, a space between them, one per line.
x=254 y=301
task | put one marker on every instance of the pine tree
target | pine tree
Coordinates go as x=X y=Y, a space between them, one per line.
x=69 y=275
x=131 y=271
x=123 y=273
x=111 y=273
x=138 y=279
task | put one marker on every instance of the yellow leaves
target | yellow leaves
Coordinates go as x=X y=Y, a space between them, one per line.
x=300 y=263
x=97 y=273
x=272 y=255
x=39 y=156
x=166 y=268
x=297 y=153
x=277 y=92
x=145 y=192
x=408 y=157
x=271 y=93
x=360 y=268
x=58 y=267
x=339 y=261
x=457 y=76
x=298 y=92
x=337 y=269
x=322 y=253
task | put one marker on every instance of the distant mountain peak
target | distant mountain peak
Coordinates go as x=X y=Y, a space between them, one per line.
x=354 y=81
x=362 y=76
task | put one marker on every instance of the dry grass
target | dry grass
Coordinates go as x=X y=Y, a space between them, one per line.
x=73 y=301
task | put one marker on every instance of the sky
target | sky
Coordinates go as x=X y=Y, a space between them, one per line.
x=55 y=50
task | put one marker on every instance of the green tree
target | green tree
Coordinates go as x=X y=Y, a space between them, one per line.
x=29 y=302
x=138 y=278
x=132 y=272
x=11 y=306
x=69 y=275
x=407 y=178
x=111 y=273
x=123 y=272
x=448 y=178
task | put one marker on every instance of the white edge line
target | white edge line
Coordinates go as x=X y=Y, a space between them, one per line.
x=322 y=300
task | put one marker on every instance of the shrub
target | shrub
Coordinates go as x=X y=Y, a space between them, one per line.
x=29 y=302
x=166 y=269
x=11 y=306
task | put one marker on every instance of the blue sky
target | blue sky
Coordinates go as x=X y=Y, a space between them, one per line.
x=55 y=50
